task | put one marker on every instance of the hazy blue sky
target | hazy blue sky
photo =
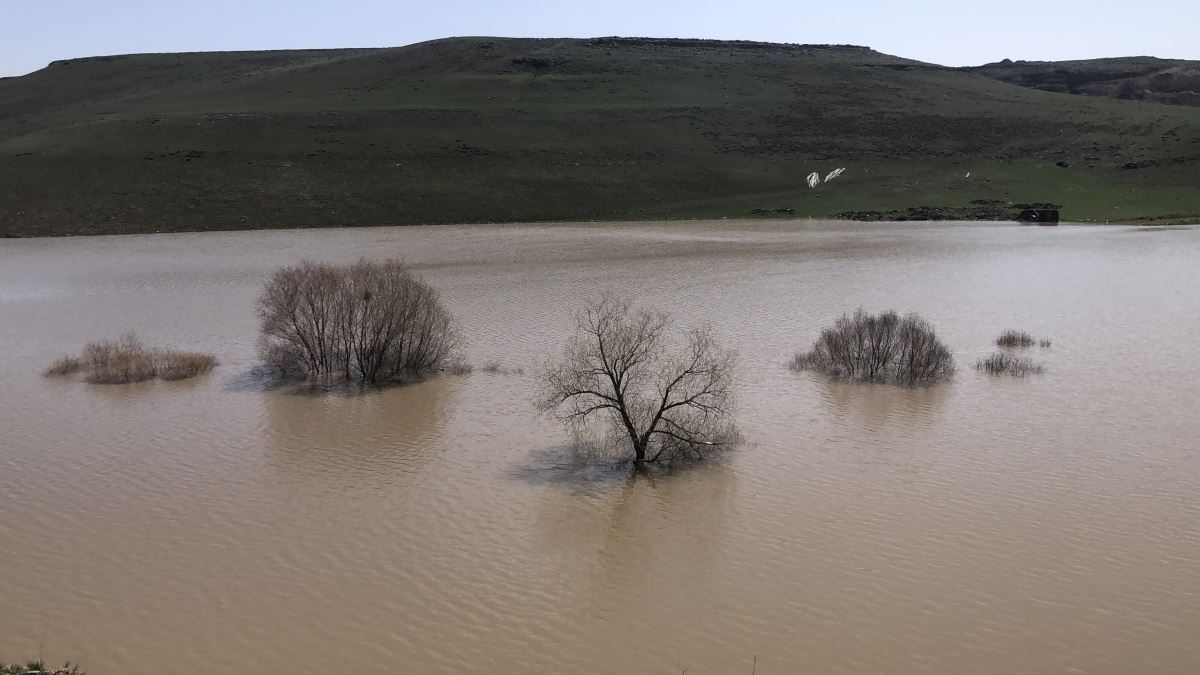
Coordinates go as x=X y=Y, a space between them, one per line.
x=35 y=32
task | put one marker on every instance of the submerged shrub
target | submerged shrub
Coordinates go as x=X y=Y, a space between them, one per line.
x=1015 y=338
x=368 y=321
x=127 y=360
x=1044 y=343
x=38 y=667
x=1000 y=363
x=879 y=348
x=118 y=361
x=496 y=368
x=66 y=365
x=173 y=365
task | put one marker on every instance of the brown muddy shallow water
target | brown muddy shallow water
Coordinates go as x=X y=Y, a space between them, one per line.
x=1048 y=524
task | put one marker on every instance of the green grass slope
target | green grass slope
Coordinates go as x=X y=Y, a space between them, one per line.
x=487 y=129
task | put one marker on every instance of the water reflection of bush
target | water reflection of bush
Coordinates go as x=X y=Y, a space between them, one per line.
x=884 y=425
x=879 y=407
x=351 y=439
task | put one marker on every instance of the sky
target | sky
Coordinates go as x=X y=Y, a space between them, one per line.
x=36 y=32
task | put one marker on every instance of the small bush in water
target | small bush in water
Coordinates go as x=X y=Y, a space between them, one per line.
x=1015 y=338
x=39 y=668
x=879 y=348
x=999 y=363
x=128 y=360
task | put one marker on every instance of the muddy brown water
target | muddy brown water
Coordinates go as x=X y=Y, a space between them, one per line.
x=1049 y=524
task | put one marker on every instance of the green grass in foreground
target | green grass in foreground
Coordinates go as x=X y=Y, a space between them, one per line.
x=491 y=129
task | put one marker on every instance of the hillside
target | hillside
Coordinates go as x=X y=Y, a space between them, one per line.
x=486 y=129
x=1145 y=78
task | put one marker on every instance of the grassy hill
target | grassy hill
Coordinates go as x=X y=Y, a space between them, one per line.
x=488 y=129
x=1142 y=78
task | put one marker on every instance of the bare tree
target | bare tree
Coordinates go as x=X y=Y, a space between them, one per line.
x=665 y=394
x=370 y=321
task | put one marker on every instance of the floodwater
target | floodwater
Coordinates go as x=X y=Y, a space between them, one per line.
x=1048 y=524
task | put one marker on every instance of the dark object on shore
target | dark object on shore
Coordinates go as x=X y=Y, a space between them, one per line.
x=978 y=209
x=773 y=212
x=1063 y=164
x=879 y=348
x=1045 y=216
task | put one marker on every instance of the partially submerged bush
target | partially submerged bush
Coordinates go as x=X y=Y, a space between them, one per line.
x=879 y=348
x=1044 y=343
x=496 y=368
x=173 y=365
x=66 y=365
x=1000 y=363
x=128 y=360
x=368 y=321
x=1015 y=338
x=38 y=667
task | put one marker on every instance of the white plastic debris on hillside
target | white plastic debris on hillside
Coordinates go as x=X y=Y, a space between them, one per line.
x=814 y=179
x=834 y=174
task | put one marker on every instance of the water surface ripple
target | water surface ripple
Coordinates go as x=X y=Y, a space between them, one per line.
x=988 y=526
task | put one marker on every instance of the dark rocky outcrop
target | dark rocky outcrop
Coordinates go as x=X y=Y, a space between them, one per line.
x=979 y=209
x=1143 y=164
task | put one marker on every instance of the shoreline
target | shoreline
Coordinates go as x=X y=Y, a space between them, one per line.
x=1133 y=222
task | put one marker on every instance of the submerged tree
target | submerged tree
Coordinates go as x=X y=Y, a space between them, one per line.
x=370 y=321
x=664 y=394
x=879 y=348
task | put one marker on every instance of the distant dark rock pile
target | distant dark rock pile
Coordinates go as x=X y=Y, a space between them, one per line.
x=773 y=212
x=930 y=213
x=979 y=209
x=1144 y=164
x=537 y=63
x=1038 y=216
